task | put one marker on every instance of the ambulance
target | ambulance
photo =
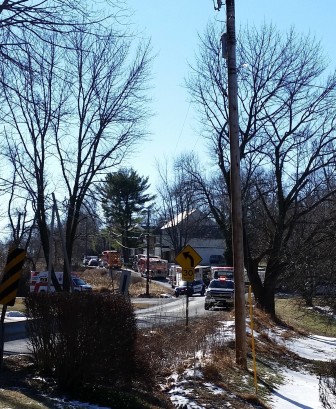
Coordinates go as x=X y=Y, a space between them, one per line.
x=39 y=282
x=222 y=273
x=201 y=273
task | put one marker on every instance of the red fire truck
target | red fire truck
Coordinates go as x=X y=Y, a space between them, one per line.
x=111 y=259
x=158 y=267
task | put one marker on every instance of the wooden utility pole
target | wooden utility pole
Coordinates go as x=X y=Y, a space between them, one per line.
x=236 y=205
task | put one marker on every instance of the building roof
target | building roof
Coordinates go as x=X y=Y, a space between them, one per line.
x=180 y=217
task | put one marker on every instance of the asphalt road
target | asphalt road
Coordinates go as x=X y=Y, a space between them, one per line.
x=163 y=311
x=160 y=312
x=15 y=337
x=171 y=310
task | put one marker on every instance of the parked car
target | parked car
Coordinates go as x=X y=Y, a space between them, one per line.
x=195 y=287
x=80 y=285
x=94 y=262
x=87 y=259
x=220 y=293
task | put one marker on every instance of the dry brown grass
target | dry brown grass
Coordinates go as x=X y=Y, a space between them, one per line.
x=266 y=345
x=19 y=388
x=16 y=400
x=200 y=348
x=102 y=281
x=173 y=347
x=295 y=313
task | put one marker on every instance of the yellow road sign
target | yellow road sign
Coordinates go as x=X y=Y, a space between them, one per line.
x=188 y=258
x=188 y=274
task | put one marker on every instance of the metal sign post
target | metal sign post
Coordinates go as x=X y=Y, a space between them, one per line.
x=125 y=280
x=2 y=333
x=187 y=306
x=8 y=287
x=188 y=259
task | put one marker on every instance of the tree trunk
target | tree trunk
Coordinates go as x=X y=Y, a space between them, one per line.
x=264 y=293
x=269 y=301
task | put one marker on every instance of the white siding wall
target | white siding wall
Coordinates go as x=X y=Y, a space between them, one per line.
x=207 y=247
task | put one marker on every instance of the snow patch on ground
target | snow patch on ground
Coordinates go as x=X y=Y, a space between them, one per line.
x=179 y=398
x=214 y=389
x=314 y=347
x=300 y=390
x=76 y=405
x=14 y=314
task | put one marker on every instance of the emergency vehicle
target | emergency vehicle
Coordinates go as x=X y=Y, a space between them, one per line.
x=200 y=273
x=111 y=258
x=158 y=267
x=39 y=282
x=222 y=273
x=226 y=273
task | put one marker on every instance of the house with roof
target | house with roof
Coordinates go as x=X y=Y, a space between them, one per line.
x=195 y=228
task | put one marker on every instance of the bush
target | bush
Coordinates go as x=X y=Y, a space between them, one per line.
x=83 y=339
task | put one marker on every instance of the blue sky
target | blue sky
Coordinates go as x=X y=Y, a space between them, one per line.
x=173 y=27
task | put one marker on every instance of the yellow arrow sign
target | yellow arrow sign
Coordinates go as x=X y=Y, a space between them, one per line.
x=188 y=258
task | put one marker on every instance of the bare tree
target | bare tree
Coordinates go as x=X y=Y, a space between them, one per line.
x=288 y=117
x=312 y=269
x=40 y=16
x=70 y=115
x=24 y=23
x=180 y=211
x=210 y=191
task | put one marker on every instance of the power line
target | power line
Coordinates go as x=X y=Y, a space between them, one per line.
x=185 y=119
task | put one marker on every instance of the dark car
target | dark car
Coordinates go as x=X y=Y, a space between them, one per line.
x=87 y=259
x=195 y=287
x=93 y=262
x=80 y=285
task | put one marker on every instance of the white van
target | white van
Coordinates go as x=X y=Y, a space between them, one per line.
x=39 y=282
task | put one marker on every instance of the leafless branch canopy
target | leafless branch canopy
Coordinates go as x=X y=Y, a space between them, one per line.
x=287 y=107
x=71 y=113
